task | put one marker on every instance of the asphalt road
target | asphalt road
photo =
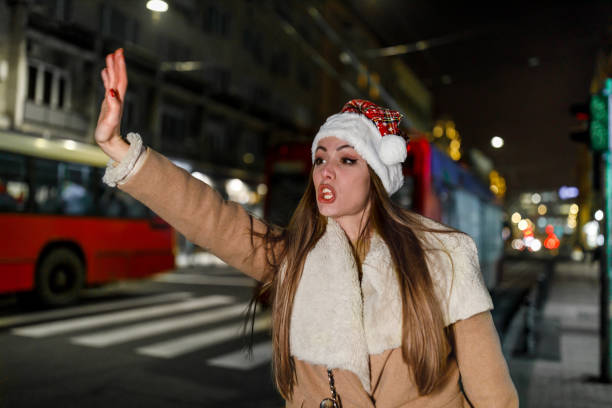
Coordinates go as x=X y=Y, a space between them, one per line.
x=173 y=341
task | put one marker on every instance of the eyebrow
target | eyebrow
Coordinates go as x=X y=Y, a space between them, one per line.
x=339 y=148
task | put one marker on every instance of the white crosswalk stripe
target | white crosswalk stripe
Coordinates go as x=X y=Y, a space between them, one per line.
x=239 y=360
x=142 y=330
x=193 y=342
x=103 y=326
x=90 y=322
x=198 y=279
x=88 y=309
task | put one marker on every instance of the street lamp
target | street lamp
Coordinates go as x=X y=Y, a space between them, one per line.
x=497 y=142
x=157 y=5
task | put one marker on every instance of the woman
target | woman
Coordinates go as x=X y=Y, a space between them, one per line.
x=372 y=305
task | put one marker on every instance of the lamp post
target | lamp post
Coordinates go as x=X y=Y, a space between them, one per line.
x=159 y=6
x=601 y=127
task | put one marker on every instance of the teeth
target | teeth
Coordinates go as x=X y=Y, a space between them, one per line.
x=327 y=196
x=326 y=190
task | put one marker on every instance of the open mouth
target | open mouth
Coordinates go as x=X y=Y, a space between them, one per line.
x=326 y=194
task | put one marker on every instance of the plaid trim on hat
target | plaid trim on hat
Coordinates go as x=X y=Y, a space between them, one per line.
x=386 y=120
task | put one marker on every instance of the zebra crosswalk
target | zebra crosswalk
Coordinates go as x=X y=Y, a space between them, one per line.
x=182 y=345
x=89 y=322
x=144 y=325
x=200 y=279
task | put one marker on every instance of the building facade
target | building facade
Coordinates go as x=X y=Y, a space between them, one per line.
x=213 y=83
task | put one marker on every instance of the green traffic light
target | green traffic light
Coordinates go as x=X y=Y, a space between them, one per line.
x=599 y=121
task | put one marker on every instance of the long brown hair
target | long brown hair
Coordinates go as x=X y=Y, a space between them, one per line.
x=425 y=350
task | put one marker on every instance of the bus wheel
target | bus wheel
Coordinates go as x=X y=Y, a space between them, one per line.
x=59 y=278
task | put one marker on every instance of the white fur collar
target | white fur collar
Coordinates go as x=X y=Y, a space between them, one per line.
x=336 y=321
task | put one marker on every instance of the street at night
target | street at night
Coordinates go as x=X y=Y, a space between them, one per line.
x=143 y=343
x=176 y=340
x=411 y=200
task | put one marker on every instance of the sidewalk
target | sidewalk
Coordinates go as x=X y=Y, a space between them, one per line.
x=560 y=373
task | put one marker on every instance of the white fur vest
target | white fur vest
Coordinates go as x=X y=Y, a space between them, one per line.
x=338 y=322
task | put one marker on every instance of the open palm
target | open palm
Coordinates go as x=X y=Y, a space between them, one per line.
x=115 y=81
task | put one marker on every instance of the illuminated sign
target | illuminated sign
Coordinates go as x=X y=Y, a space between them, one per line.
x=566 y=192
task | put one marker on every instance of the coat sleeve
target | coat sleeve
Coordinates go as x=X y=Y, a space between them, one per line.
x=200 y=213
x=484 y=372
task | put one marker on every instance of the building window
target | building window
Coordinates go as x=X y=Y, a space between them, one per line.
x=218 y=79
x=174 y=127
x=129 y=116
x=32 y=75
x=216 y=22
x=219 y=147
x=61 y=92
x=172 y=50
x=48 y=85
x=252 y=42
x=279 y=63
x=283 y=10
x=304 y=77
x=56 y=9
x=61 y=9
x=260 y=95
x=116 y=24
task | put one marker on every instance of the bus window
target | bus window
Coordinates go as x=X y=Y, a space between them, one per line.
x=53 y=193
x=115 y=203
x=77 y=198
x=14 y=189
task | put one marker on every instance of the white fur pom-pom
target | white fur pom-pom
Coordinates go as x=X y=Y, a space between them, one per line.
x=392 y=149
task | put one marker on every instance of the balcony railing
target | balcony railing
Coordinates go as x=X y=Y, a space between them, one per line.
x=58 y=118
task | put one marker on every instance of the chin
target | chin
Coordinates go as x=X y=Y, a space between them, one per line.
x=327 y=210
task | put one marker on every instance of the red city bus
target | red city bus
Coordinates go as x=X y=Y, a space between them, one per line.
x=63 y=229
x=286 y=174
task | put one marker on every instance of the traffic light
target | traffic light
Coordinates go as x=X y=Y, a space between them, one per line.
x=599 y=126
x=580 y=132
x=593 y=124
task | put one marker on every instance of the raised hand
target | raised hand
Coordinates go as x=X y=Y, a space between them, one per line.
x=108 y=132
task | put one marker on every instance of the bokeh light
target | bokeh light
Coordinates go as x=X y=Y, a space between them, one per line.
x=497 y=142
x=542 y=209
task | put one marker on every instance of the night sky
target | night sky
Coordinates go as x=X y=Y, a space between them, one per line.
x=511 y=70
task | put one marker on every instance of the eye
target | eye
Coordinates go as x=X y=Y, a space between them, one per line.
x=318 y=161
x=349 y=161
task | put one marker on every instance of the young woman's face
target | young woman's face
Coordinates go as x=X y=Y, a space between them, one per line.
x=341 y=179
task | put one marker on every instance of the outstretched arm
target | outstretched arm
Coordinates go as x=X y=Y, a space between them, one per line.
x=483 y=369
x=199 y=213
x=189 y=205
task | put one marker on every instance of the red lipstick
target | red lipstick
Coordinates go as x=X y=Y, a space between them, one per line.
x=326 y=194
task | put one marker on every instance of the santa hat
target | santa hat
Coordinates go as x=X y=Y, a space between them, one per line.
x=374 y=133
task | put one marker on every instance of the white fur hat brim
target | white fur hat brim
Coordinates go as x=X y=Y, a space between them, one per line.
x=384 y=154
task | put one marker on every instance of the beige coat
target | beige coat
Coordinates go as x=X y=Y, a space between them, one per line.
x=200 y=213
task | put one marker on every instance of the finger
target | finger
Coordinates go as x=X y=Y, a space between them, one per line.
x=110 y=93
x=105 y=79
x=110 y=66
x=113 y=106
x=121 y=72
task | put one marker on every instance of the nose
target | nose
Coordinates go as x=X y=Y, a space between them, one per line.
x=328 y=171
